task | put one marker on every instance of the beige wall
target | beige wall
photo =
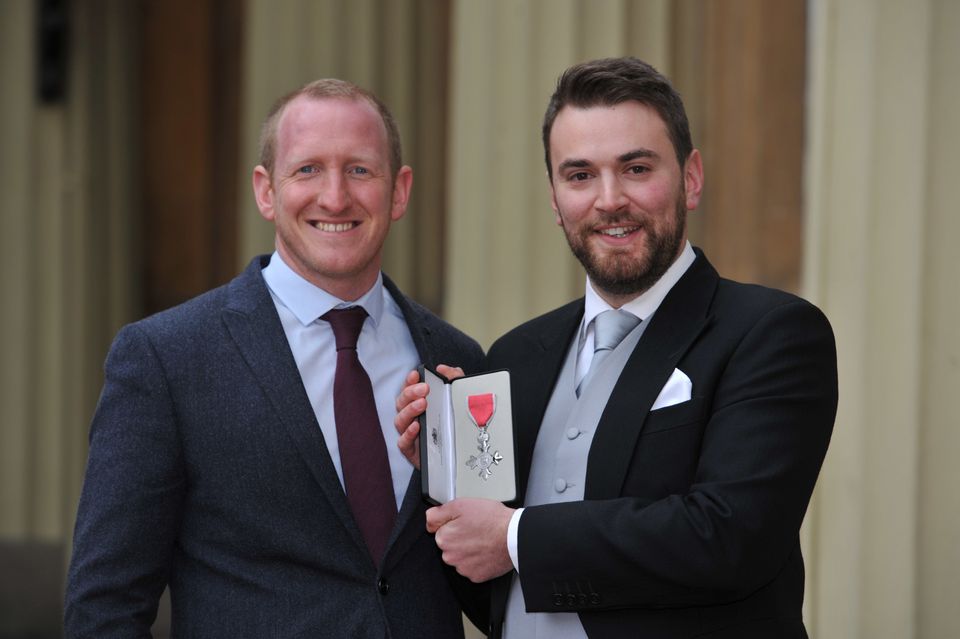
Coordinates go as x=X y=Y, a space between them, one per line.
x=66 y=246
x=938 y=524
x=883 y=100
x=507 y=260
x=66 y=280
x=16 y=123
x=883 y=94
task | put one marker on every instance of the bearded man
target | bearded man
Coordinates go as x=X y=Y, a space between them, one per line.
x=670 y=424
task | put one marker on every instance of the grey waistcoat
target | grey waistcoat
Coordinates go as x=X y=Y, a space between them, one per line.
x=558 y=471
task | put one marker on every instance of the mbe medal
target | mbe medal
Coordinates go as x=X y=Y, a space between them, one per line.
x=481 y=409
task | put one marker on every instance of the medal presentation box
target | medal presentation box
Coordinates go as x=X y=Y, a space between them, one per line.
x=466 y=438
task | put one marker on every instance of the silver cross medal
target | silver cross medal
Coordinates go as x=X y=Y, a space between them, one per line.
x=481 y=409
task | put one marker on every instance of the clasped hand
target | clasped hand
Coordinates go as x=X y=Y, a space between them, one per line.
x=472 y=536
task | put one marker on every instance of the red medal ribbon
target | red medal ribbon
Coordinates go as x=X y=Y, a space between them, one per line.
x=481 y=408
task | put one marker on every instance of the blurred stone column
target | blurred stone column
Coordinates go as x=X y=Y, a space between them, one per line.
x=881 y=226
x=66 y=249
x=507 y=260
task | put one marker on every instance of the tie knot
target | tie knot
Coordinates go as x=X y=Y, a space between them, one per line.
x=346 y=324
x=610 y=327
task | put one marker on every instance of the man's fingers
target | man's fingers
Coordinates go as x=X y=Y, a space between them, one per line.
x=409 y=436
x=408 y=414
x=450 y=372
x=408 y=444
x=411 y=392
x=410 y=403
x=434 y=519
x=437 y=517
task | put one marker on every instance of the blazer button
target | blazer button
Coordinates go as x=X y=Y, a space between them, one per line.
x=595 y=598
x=557 y=599
x=571 y=600
x=382 y=586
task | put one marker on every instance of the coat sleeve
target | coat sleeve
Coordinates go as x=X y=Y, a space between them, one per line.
x=736 y=526
x=130 y=505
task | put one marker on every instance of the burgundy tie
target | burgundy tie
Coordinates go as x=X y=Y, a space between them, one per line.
x=363 y=453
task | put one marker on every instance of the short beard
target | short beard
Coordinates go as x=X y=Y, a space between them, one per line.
x=621 y=274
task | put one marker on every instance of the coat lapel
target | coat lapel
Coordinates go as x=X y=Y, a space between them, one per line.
x=409 y=525
x=419 y=324
x=533 y=375
x=681 y=318
x=252 y=321
x=534 y=368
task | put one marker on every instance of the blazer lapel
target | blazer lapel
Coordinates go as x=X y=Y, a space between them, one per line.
x=681 y=318
x=533 y=375
x=252 y=321
x=409 y=527
x=419 y=324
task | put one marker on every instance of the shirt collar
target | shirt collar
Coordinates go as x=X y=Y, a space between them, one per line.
x=307 y=301
x=645 y=304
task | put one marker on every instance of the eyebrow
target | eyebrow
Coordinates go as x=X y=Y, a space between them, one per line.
x=638 y=153
x=572 y=164
x=629 y=156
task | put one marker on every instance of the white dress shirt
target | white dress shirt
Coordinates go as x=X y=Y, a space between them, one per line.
x=385 y=349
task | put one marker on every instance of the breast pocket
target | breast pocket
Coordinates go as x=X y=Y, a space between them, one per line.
x=676 y=416
x=665 y=459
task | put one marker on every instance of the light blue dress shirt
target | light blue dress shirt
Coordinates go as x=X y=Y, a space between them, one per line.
x=385 y=349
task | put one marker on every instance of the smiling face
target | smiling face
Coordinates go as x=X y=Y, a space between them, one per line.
x=331 y=196
x=620 y=195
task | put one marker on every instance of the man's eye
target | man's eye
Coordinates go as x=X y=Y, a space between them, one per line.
x=360 y=170
x=307 y=170
x=637 y=170
x=579 y=176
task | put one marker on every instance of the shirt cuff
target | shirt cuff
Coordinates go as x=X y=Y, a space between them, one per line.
x=512 y=529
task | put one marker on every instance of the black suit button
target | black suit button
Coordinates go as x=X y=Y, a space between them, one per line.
x=557 y=599
x=582 y=599
x=571 y=600
x=382 y=586
x=595 y=598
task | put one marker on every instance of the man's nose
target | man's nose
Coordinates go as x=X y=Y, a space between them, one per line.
x=611 y=197
x=334 y=194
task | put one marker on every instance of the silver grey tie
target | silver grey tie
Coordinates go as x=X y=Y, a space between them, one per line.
x=609 y=329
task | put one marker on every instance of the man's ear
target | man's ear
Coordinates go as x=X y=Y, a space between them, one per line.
x=401 y=192
x=693 y=179
x=263 y=192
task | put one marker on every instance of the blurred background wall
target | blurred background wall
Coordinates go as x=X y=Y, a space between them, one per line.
x=830 y=134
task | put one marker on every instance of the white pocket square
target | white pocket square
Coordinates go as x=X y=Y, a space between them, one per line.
x=678 y=389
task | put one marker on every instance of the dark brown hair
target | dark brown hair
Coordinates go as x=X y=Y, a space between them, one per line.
x=611 y=81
